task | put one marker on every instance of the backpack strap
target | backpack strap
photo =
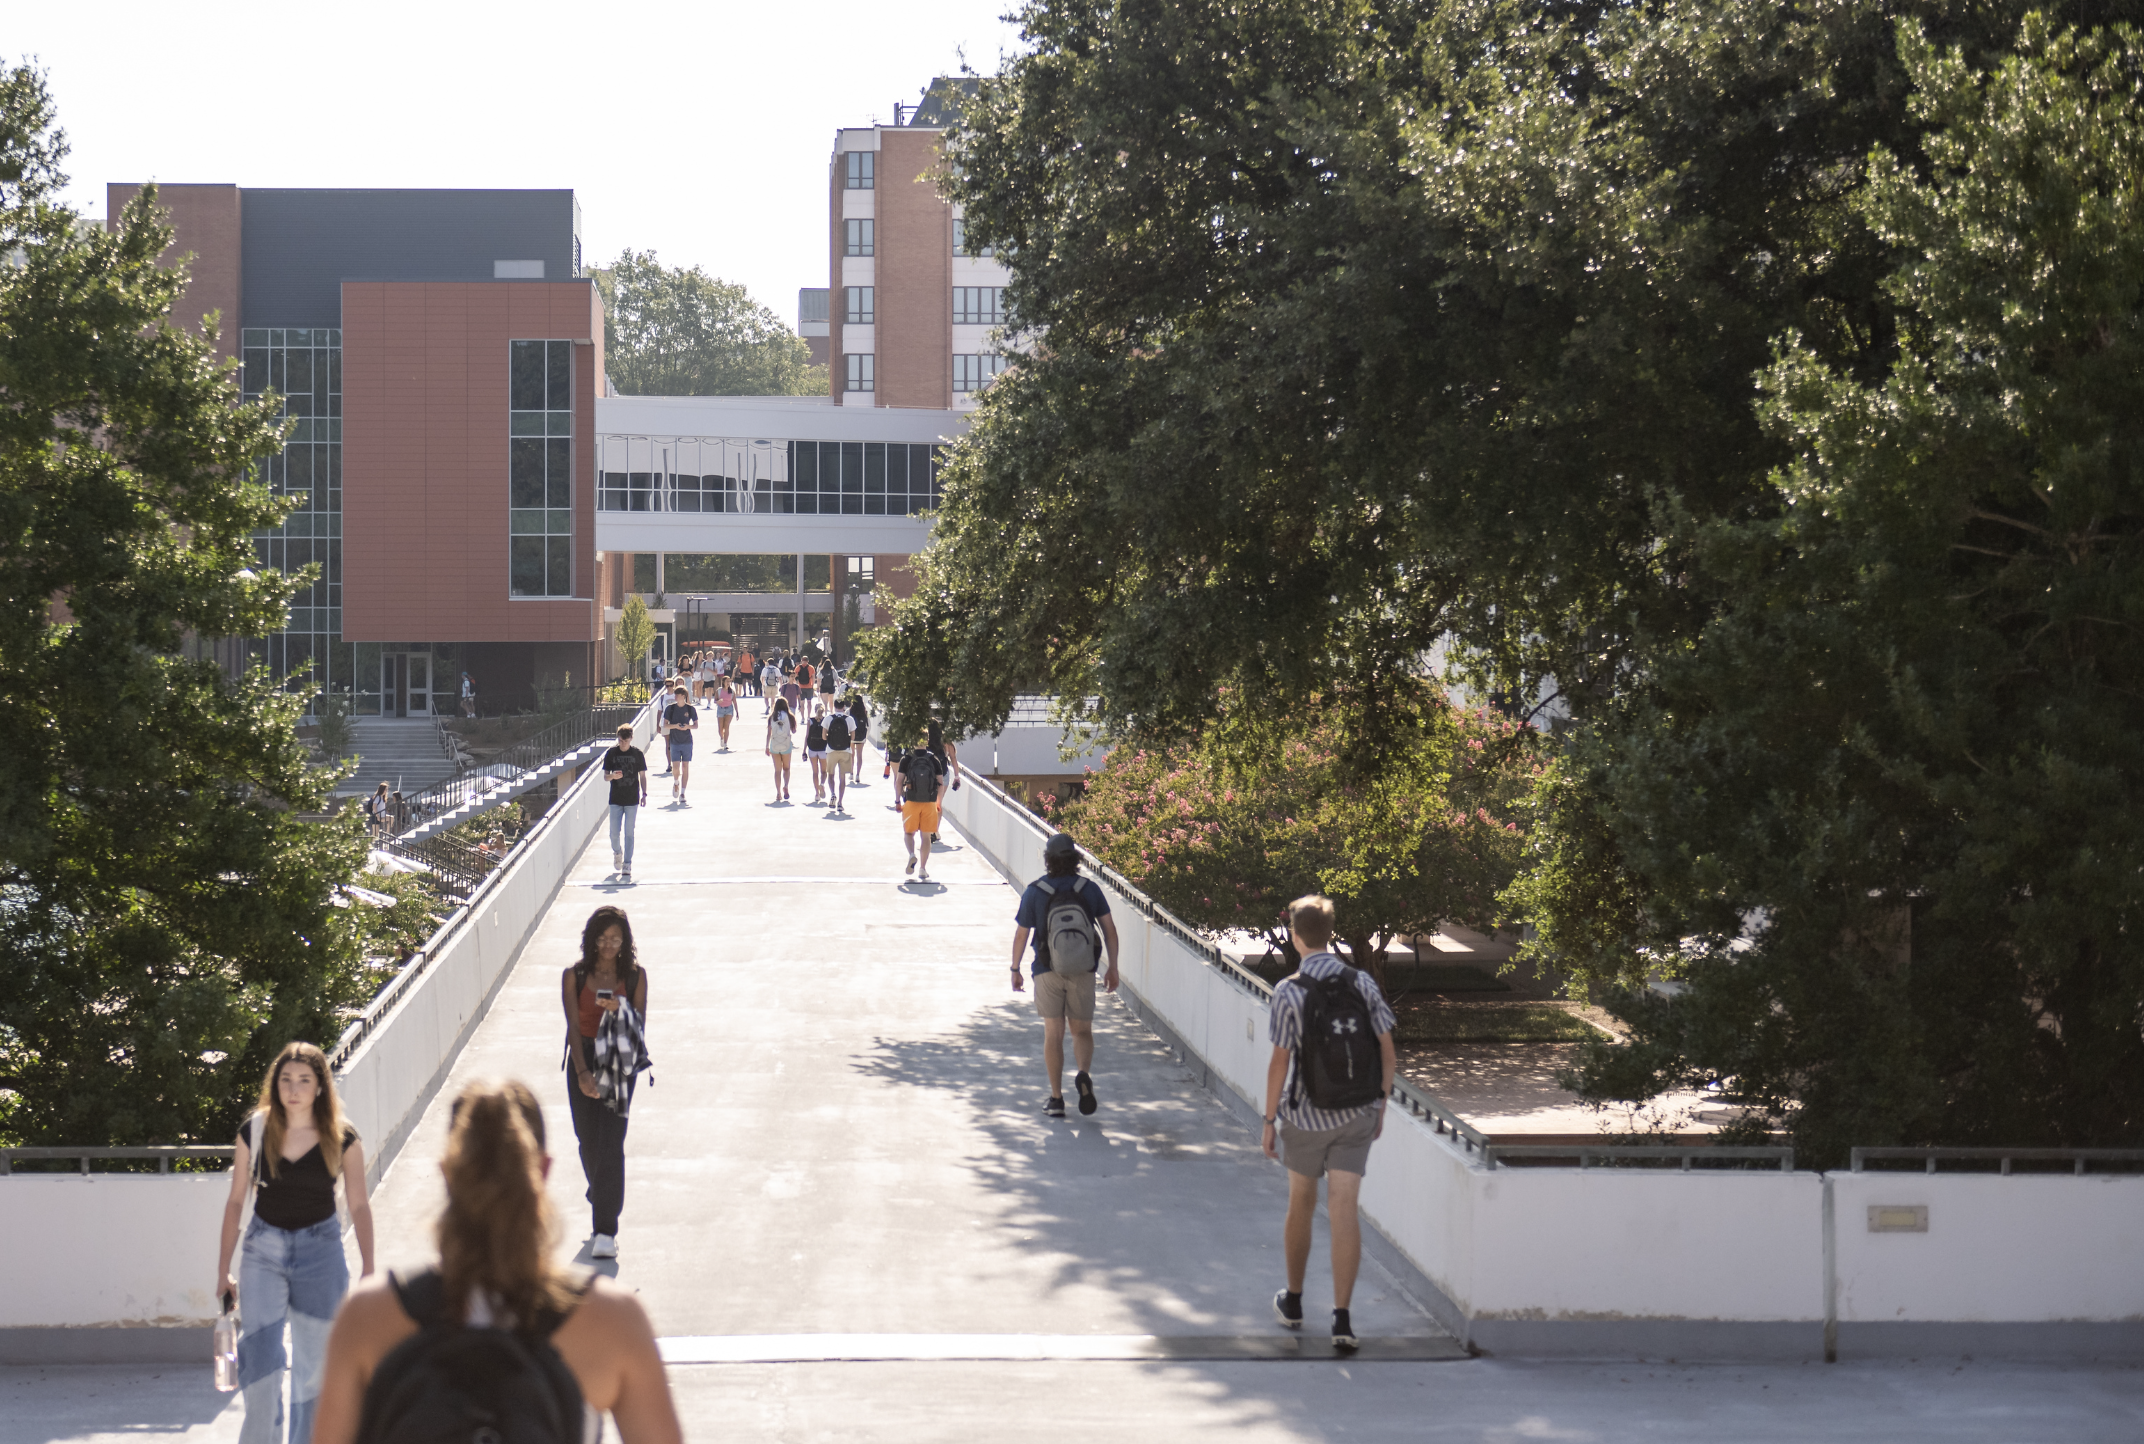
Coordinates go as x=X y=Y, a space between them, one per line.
x=423 y=1296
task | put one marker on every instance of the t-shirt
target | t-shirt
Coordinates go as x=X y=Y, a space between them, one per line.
x=1035 y=906
x=937 y=766
x=678 y=714
x=631 y=761
x=1285 y=1030
x=301 y=1194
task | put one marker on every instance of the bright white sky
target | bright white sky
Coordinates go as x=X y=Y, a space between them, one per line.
x=700 y=131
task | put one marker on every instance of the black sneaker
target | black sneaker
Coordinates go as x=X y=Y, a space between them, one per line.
x=1055 y=1108
x=1085 y=1087
x=1344 y=1331
x=1288 y=1308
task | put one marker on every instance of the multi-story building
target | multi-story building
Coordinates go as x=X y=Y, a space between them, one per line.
x=439 y=353
x=915 y=313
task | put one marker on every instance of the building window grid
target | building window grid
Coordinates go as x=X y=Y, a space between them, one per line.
x=978 y=305
x=540 y=468
x=858 y=237
x=960 y=242
x=859 y=167
x=804 y=478
x=973 y=373
x=303 y=366
x=859 y=305
x=862 y=371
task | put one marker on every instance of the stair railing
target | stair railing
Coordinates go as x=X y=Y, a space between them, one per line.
x=531 y=754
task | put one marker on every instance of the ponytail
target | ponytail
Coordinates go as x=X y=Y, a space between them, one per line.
x=496 y=1232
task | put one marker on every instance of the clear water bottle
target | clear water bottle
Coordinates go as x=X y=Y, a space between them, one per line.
x=227 y=1348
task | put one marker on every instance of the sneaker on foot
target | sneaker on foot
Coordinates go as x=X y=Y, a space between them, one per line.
x=1288 y=1308
x=603 y=1246
x=1343 y=1331
x=1085 y=1087
x=1055 y=1108
x=910 y=869
x=617 y=860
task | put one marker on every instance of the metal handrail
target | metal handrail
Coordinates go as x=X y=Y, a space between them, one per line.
x=456 y=869
x=164 y=1156
x=1688 y=1155
x=363 y=1025
x=1929 y=1157
x=1422 y=1103
x=531 y=754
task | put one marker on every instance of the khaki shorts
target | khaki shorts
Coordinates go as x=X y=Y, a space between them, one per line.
x=1346 y=1149
x=839 y=761
x=1065 y=995
x=919 y=817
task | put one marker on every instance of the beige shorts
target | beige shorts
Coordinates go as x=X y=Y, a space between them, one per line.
x=1346 y=1149
x=839 y=761
x=1065 y=995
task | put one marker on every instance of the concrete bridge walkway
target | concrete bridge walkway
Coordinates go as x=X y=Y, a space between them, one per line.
x=844 y=1142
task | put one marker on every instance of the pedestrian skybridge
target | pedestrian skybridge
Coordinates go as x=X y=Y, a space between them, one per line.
x=766 y=474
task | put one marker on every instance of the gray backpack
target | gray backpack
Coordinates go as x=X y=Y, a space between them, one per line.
x=1070 y=940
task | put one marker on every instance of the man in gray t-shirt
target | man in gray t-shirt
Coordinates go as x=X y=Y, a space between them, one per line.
x=1329 y=1143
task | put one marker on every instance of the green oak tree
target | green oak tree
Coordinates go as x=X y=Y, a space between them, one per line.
x=1880 y=814
x=167 y=917
x=671 y=331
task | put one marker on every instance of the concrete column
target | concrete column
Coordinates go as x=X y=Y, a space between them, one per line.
x=801 y=634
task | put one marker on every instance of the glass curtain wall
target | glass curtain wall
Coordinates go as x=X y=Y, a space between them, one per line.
x=540 y=469
x=804 y=478
x=304 y=368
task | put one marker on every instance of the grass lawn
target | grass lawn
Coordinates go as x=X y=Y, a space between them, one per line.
x=1441 y=1022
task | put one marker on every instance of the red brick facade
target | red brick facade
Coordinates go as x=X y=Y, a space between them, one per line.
x=915 y=273
x=206 y=219
x=424 y=404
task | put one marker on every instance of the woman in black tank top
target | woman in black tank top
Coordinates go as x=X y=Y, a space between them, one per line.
x=290 y=1154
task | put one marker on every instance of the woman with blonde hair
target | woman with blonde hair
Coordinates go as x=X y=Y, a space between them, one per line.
x=291 y=1151
x=485 y=1333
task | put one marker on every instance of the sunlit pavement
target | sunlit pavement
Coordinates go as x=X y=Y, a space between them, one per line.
x=844 y=1137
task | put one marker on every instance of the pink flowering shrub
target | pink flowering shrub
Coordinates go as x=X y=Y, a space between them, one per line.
x=1225 y=841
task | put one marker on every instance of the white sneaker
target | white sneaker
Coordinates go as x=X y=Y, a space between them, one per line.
x=603 y=1246
x=617 y=860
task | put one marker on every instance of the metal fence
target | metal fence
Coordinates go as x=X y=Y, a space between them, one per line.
x=137 y=1158
x=1998 y=1160
x=532 y=754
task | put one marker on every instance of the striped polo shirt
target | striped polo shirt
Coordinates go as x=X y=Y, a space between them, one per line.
x=1284 y=1027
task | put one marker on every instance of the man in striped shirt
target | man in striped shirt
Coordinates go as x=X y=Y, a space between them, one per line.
x=1320 y=1142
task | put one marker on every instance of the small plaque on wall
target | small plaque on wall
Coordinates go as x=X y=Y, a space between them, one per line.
x=1898 y=1218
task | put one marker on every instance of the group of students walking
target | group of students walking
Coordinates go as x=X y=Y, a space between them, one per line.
x=497 y=1340
x=498 y=1313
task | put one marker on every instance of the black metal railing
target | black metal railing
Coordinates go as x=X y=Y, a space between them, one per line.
x=456 y=870
x=501 y=774
x=82 y=1157
x=1999 y=1160
x=1682 y=1157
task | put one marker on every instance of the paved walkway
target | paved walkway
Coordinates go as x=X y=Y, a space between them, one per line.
x=844 y=1138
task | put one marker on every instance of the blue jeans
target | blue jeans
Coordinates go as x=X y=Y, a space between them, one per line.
x=623 y=815
x=295 y=1277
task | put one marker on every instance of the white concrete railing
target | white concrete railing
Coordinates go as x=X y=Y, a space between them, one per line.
x=1639 y=1262
x=121 y=1263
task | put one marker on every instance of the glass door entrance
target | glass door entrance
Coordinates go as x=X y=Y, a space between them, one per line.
x=405 y=684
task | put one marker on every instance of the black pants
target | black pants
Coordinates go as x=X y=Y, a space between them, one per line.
x=602 y=1138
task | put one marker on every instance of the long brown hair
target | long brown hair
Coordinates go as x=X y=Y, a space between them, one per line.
x=327 y=1109
x=497 y=1229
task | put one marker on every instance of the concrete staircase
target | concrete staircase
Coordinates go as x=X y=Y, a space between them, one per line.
x=491 y=785
x=402 y=752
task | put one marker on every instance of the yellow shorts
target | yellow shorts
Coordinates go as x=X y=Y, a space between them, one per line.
x=919 y=817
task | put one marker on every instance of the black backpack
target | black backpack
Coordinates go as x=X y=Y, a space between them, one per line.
x=919 y=773
x=815 y=736
x=1338 y=1063
x=837 y=732
x=454 y=1384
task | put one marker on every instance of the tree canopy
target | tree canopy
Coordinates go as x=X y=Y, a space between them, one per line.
x=669 y=331
x=167 y=918
x=1539 y=337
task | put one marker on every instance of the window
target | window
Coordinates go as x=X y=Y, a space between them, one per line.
x=539 y=468
x=858 y=167
x=859 y=308
x=862 y=573
x=860 y=371
x=973 y=373
x=960 y=241
x=978 y=305
x=303 y=367
x=859 y=237
x=848 y=478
